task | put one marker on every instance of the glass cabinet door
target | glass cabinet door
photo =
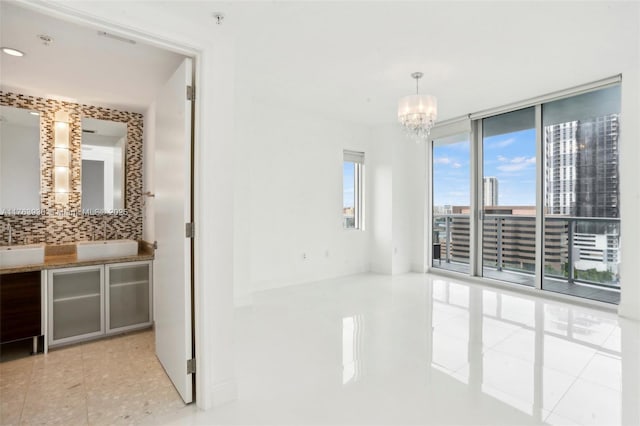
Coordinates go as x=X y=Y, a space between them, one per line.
x=75 y=303
x=128 y=295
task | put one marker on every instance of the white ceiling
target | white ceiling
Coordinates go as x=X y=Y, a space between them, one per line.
x=79 y=65
x=350 y=59
x=353 y=59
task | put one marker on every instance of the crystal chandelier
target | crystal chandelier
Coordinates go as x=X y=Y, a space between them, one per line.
x=417 y=113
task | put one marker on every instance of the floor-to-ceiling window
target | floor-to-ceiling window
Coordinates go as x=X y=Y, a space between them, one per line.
x=531 y=196
x=509 y=197
x=582 y=195
x=451 y=177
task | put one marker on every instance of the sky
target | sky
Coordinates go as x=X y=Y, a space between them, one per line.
x=347 y=184
x=509 y=157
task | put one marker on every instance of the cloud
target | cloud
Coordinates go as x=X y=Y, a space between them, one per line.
x=447 y=161
x=515 y=164
x=501 y=144
x=442 y=160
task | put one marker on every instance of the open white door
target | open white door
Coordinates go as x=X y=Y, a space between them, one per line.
x=172 y=266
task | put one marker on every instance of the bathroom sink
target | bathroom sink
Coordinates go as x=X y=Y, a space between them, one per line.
x=106 y=249
x=21 y=255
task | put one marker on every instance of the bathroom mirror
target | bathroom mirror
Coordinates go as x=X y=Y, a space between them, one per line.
x=103 y=165
x=19 y=161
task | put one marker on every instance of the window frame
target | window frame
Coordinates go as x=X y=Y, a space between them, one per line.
x=473 y=122
x=357 y=158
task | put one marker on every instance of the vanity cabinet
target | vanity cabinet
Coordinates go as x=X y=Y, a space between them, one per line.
x=20 y=306
x=92 y=301
x=128 y=296
x=76 y=303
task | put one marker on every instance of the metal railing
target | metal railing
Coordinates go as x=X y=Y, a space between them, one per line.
x=577 y=249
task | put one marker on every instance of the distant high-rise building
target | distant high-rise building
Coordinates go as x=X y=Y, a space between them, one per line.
x=490 y=194
x=581 y=174
x=560 y=170
x=597 y=177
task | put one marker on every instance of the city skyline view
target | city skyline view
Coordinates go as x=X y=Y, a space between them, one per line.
x=511 y=158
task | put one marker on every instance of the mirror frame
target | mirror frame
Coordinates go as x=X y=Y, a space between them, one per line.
x=61 y=223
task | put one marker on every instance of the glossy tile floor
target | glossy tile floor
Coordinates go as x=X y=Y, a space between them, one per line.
x=422 y=349
x=106 y=382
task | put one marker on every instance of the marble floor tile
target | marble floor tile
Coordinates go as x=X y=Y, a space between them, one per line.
x=113 y=381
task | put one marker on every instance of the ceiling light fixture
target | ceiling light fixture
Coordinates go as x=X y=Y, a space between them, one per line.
x=417 y=113
x=11 y=51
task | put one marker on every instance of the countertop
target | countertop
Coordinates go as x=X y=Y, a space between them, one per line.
x=64 y=256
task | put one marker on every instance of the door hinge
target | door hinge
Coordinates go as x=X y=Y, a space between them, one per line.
x=191 y=93
x=191 y=366
x=189 y=230
x=155 y=245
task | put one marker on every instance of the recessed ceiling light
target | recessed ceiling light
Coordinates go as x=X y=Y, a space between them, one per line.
x=11 y=51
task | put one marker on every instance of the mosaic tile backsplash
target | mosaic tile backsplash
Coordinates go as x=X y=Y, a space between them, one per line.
x=64 y=223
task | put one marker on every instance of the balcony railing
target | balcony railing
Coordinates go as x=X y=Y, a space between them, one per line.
x=577 y=249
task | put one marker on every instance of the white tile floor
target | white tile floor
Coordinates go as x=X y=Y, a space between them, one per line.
x=419 y=349
x=366 y=349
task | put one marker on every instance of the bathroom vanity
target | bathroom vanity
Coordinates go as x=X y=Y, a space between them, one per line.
x=20 y=306
x=69 y=300
x=90 y=301
x=71 y=172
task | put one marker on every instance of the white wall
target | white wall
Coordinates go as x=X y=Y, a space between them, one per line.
x=629 y=65
x=408 y=203
x=381 y=217
x=288 y=198
x=399 y=196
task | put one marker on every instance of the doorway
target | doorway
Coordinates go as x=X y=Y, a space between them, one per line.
x=137 y=77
